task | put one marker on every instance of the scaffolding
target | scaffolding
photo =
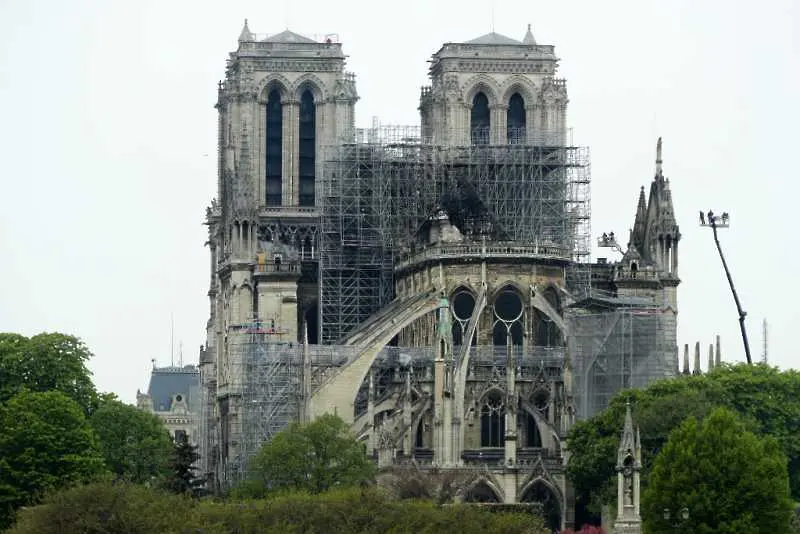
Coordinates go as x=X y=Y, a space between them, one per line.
x=380 y=194
x=264 y=392
x=615 y=350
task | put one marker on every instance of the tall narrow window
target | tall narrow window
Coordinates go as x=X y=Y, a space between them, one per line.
x=274 y=148
x=479 y=120
x=308 y=130
x=516 y=119
x=493 y=421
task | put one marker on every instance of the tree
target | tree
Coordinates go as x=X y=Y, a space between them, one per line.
x=731 y=480
x=767 y=400
x=182 y=477
x=313 y=457
x=135 y=444
x=45 y=444
x=46 y=362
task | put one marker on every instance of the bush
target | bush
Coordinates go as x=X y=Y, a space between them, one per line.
x=108 y=508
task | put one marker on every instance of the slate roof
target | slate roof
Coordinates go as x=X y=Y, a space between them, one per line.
x=168 y=381
x=288 y=36
x=494 y=38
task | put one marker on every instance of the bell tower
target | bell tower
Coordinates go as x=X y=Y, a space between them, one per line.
x=494 y=90
x=285 y=99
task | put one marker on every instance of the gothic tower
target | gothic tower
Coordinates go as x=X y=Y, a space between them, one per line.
x=285 y=98
x=649 y=267
x=494 y=90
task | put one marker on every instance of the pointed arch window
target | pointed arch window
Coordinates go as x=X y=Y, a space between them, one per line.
x=508 y=318
x=515 y=119
x=462 y=309
x=274 y=148
x=479 y=120
x=493 y=427
x=307 y=152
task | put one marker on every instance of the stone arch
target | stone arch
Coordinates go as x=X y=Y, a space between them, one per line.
x=546 y=430
x=337 y=393
x=547 y=330
x=481 y=83
x=543 y=305
x=519 y=84
x=418 y=421
x=540 y=489
x=311 y=82
x=245 y=302
x=502 y=286
x=270 y=82
x=482 y=487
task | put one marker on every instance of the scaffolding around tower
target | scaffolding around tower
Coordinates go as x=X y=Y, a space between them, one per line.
x=380 y=193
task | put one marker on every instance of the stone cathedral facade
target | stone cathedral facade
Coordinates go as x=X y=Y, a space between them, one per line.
x=455 y=256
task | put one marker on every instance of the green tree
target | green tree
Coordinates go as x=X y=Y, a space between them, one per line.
x=313 y=457
x=135 y=444
x=182 y=477
x=46 y=362
x=731 y=480
x=767 y=400
x=45 y=444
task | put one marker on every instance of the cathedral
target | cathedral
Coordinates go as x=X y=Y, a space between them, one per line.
x=431 y=285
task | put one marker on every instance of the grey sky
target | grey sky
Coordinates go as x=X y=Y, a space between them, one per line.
x=109 y=132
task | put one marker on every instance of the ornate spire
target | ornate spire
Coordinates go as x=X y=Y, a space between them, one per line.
x=659 y=161
x=640 y=223
x=629 y=464
x=528 y=39
x=627 y=445
x=246 y=35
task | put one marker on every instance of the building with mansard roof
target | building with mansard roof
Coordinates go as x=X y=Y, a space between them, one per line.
x=431 y=284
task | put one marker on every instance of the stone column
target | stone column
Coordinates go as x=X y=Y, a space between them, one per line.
x=321 y=144
x=562 y=122
x=511 y=406
x=291 y=124
x=498 y=120
x=407 y=420
x=675 y=258
x=371 y=413
x=258 y=151
x=531 y=123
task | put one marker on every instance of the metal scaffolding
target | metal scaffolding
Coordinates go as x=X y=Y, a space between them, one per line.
x=380 y=194
x=615 y=350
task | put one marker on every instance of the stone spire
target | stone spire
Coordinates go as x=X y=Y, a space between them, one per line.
x=246 y=35
x=711 y=357
x=696 y=370
x=639 y=223
x=686 y=368
x=627 y=444
x=659 y=161
x=629 y=464
x=719 y=355
x=528 y=39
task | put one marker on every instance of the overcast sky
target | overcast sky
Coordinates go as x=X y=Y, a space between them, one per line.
x=109 y=132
